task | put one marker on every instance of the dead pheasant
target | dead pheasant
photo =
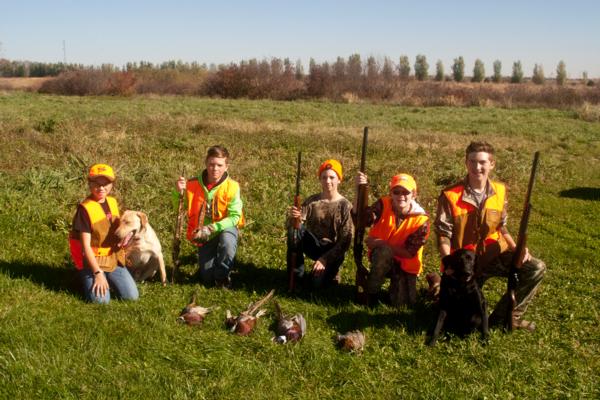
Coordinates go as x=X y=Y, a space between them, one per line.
x=193 y=314
x=288 y=329
x=351 y=341
x=244 y=323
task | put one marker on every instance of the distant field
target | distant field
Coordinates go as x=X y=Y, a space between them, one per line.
x=31 y=84
x=53 y=345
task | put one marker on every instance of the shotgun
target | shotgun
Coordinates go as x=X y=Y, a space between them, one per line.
x=295 y=240
x=521 y=245
x=359 y=229
x=178 y=232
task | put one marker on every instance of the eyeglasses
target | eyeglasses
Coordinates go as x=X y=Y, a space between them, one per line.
x=400 y=192
x=100 y=184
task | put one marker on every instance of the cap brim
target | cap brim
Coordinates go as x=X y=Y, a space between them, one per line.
x=93 y=178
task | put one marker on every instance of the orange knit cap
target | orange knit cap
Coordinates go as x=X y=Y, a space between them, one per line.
x=331 y=164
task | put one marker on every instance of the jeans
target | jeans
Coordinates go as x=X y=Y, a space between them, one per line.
x=216 y=257
x=302 y=242
x=119 y=280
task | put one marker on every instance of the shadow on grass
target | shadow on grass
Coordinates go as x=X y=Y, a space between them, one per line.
x=583 y=193
x=416 y=320
x=251 y=278
x=58 y=279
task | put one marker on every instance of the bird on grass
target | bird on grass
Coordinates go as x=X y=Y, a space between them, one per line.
x=245 y=322
x=353 y=341
x=193 y=314
x=288 y=329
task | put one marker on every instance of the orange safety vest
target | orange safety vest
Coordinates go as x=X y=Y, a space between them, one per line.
x=474 y=229
x=215 y=211
x=385 y=229
x=102 y=236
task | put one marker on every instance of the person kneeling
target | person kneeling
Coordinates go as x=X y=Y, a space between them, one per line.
x=400 y=228
x=325 y=232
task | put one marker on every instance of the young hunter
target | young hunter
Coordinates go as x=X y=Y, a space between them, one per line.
x=216 y=196
x=93 y=243
x=472 y=215
x=326 y=230
x=399 y=229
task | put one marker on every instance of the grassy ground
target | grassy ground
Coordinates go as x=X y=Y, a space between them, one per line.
x=53 y=345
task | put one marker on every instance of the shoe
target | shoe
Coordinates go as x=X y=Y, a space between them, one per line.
x=224 y=283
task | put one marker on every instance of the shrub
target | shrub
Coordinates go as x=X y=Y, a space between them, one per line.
x=588 y=112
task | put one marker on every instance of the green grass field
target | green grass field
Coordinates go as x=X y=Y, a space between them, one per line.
x=53 y=345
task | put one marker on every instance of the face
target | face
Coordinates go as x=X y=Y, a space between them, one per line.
x=216 y=167
x=100 y=187
x=329 y=181
x=401 y=198
x=479 y=166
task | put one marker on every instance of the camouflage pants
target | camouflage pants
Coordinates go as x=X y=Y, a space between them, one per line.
x=403 y=286
x=530 y=276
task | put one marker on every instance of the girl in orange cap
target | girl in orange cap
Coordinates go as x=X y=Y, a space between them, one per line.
x=326 y=230
x=94 y=245
x=399 y=229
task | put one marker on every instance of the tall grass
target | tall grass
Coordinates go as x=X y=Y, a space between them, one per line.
x=53 y=345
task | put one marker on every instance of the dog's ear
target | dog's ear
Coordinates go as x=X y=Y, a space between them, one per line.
x=448 y=262
x=143 y=219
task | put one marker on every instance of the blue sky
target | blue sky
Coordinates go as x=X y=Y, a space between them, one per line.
x=109 y=31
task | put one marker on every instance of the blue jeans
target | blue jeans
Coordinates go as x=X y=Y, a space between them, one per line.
x=215 y=257
x=119 y=280
x=302 y=242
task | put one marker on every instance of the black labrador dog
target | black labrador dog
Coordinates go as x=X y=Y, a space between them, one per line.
x=462 y=307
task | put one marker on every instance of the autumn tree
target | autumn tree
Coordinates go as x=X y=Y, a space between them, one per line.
x=439 y=71
x=517 y=72
x=421 y=68
x=561 y=73
x=404 y=68
x=458 y=69
x=497 y=77
x=478 y=71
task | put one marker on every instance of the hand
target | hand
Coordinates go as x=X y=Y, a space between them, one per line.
x=295 y=212
x=100 y=285
x=318 y=268
x=526 y=255
x=202 y=234
x=361 y=179
x=180 y=184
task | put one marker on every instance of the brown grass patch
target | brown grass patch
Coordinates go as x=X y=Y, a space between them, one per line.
x=28 y=84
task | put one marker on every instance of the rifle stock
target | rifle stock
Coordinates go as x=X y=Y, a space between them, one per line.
x=294 y=231
x=177 y=233
x=359 y=229
x=520 y=249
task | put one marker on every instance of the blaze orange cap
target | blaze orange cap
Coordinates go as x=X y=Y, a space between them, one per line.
x=331 y=164
x=404 y=180
x=101 y=170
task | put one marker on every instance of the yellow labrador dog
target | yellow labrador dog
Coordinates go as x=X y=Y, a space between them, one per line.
x=142 y=248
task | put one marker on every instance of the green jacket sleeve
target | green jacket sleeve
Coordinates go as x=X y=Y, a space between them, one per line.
x=234 y=213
